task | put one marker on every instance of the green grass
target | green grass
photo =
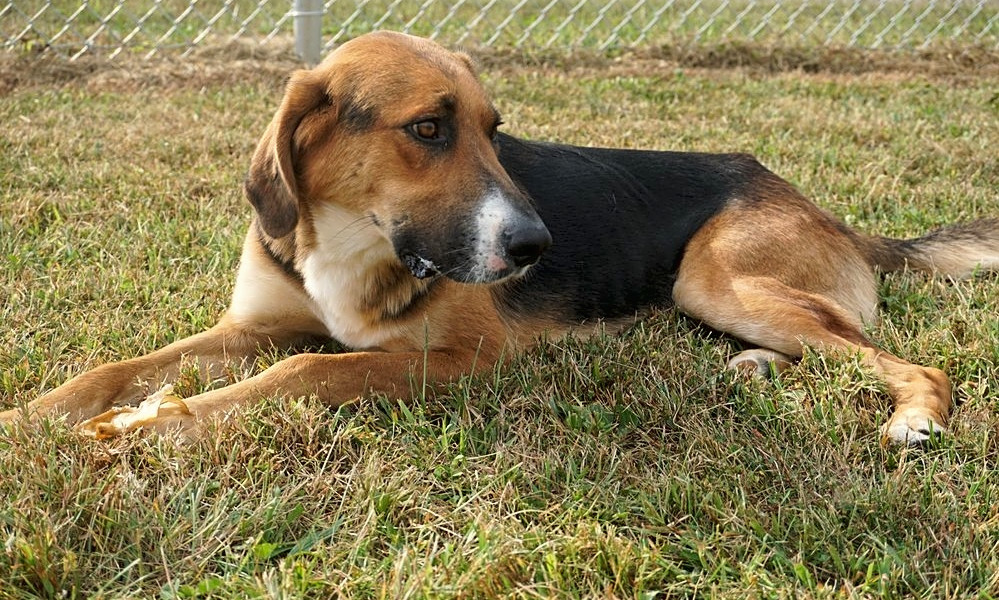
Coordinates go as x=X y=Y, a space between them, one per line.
x=618 y=467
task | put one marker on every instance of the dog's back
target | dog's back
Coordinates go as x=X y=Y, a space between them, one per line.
x=619 y=220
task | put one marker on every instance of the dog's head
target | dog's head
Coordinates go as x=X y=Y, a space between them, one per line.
x=397 y=130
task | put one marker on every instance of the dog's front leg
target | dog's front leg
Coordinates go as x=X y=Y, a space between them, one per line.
x=99 y=389
x=334 y=378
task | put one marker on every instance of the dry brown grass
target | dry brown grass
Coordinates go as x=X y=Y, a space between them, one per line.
x=244 y=61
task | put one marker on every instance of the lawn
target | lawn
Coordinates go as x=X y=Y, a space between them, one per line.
x=616 y=467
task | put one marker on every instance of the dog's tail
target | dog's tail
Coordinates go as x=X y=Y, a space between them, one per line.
x=956 y=251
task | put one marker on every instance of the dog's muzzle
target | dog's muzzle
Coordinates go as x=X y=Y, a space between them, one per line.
x=501 y=237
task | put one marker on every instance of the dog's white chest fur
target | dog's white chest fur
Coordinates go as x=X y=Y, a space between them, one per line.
x=336 y=272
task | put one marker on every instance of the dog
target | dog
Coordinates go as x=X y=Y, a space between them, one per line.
x=393 y=217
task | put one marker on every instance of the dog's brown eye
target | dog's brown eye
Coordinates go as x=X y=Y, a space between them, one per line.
x=426 y=131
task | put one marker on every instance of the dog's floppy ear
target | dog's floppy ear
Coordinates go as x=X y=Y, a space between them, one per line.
x=468 y=61
x=271 y=185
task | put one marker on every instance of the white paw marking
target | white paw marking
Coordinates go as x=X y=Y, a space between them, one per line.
x=757 y=362
x=911 y=426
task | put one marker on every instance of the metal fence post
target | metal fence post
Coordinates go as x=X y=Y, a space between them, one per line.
x=308 y=15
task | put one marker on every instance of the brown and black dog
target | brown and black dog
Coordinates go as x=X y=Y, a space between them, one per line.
x=391 y=216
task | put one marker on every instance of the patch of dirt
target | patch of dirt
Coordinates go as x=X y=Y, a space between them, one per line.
x=218 y=64
x=209 y=66
x=955 y=64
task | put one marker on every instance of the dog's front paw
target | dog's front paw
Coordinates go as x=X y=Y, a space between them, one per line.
x=163 y=412
x=912 y=426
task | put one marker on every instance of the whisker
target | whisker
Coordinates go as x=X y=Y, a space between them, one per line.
x=365 y=221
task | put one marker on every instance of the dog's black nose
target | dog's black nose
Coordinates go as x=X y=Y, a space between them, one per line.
x=527 y=243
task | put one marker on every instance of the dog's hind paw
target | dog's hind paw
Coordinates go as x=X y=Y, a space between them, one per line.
x=759 y=362
x=161 y=408
x=912 y=426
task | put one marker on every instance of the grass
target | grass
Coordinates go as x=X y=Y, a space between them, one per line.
x=617 y=467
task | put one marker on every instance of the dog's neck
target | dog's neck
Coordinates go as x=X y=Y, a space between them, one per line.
x=359 y=287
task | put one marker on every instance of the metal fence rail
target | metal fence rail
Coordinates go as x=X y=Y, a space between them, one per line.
x=109 y=27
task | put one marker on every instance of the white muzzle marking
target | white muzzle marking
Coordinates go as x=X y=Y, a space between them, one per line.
x=495 y=216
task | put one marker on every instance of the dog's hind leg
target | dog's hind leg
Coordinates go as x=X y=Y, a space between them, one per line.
x=784 y=311
x=775 y=316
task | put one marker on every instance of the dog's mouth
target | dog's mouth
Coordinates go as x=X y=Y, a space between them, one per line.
x=424 y=268
x=420 y=267
x=506 y=256
x=495 y=242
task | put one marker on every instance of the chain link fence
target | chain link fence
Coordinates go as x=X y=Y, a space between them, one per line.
x=109 y=27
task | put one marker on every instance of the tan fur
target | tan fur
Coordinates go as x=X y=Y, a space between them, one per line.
x=819 y=299
x=331 y=178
